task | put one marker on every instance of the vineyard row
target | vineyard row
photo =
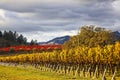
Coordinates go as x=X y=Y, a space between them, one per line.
x=97 y=60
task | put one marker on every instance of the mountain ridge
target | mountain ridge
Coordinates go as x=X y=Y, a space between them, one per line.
x=57 y=40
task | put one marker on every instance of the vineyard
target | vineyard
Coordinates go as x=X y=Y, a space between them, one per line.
x=31 y=48
x=92 y=54
x=81 y=61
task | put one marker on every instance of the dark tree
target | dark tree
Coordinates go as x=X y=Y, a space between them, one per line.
x=20 y=39
x=33 y=42
x=9 y=38
x=0 y=34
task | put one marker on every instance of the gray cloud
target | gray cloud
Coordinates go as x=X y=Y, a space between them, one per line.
x=54 y=16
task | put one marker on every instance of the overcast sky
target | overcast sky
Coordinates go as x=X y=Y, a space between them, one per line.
x=46 y=19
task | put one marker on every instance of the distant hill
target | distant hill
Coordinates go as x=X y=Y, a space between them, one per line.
x=57 y=40
x=116 y=36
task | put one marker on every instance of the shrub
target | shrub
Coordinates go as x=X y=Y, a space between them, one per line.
x=2 y=51
x=12 y=50
x=21 y=49
x=35 y=50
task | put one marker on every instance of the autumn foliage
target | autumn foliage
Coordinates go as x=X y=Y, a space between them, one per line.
x=31 y=47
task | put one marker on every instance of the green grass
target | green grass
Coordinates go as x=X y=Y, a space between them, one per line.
x=19 y=73
x=30 y=73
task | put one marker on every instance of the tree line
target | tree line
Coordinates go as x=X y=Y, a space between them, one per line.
x=10 y=38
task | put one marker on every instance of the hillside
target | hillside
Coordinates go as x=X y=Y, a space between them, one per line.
x=57 y=40
x=116 y=35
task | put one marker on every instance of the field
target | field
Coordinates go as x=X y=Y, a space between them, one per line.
x=20 y=73
x=84 y=63
x=30 y=73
